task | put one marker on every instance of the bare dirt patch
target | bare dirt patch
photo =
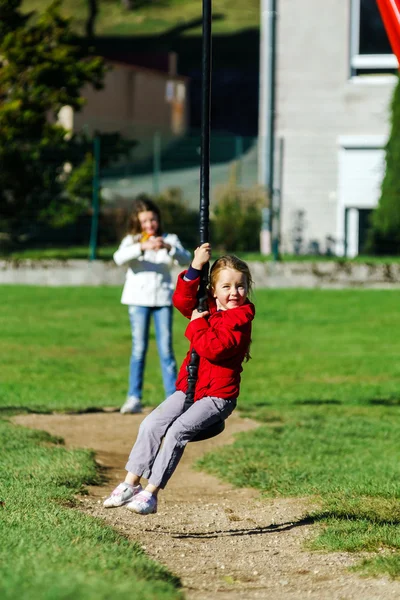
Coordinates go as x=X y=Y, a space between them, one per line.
x=223 y=542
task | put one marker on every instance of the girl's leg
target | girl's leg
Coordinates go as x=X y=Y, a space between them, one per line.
x=132 y=478
x=163 y=327
x=139 y=317
x=151 y=432
x=144 y=452
x=201 y=414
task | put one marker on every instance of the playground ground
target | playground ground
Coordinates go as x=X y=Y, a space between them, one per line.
x=224 y=543
x=321 y=447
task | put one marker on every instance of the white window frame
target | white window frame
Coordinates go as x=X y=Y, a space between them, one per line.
x=365 y=61
x=344 y=210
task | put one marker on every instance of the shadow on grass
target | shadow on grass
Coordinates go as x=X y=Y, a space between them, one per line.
x=385 y=401
x=191 y=24
x=18 y=410
x=344 y=515
x=313 y=402
x=92 y=409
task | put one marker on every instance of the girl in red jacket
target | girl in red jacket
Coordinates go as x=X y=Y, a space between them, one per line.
x=221 y=337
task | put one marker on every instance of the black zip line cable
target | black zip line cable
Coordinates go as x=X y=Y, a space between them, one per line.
x=204 y=213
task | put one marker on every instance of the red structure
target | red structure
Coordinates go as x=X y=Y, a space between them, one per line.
x=390 y=12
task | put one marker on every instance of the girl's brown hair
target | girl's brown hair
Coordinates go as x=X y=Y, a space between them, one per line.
x=230 y=261
x=142 y=204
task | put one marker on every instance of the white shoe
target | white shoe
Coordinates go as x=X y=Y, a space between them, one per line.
x=132 y=405
x=123 y=493
x=143 y=503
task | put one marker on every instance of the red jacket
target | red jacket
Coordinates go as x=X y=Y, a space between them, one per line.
x=221 y=341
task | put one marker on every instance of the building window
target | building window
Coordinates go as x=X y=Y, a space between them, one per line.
x=370 y=47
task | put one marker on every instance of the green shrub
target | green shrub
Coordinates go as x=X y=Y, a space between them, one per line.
x=384 y=238
x=236 y=219
x=178 y=217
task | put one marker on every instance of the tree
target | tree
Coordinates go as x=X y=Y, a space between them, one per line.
x=42 y=69
x=385 y=223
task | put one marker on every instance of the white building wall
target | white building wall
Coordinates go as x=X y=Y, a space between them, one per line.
x=317 y=103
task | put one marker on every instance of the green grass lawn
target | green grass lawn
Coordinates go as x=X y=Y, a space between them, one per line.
x=68 y=349
x=324 y=382
x=62 y=350
x=46 y=550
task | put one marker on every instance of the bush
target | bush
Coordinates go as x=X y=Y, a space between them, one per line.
x=178 y=217
x=236 y=219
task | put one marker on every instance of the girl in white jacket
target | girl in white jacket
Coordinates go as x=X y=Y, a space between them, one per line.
x=150 y=255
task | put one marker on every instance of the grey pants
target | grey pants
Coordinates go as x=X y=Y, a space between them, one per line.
x=173 y=426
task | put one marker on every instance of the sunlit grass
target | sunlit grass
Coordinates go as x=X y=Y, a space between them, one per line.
x=46 y=550
x=324 y=382
x=68 y=348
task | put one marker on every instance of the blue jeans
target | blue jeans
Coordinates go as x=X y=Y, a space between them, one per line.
x=139 y=317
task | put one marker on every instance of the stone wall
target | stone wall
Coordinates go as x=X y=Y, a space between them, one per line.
x=324 y=274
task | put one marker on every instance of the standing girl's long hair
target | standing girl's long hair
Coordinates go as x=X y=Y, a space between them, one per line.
x=142 y=204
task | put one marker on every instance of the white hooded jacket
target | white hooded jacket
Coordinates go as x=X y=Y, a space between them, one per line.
x=148 y=279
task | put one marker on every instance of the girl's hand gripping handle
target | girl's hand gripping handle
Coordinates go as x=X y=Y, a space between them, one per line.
x=197 y=314
x=202 y=255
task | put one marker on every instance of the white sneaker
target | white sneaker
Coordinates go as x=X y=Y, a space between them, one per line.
x=143 y=503
x=132 y=405
x=123 y=493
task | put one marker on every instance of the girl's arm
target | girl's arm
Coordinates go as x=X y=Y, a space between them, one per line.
x=184 y=297
x=127 y=251
x=176 y=250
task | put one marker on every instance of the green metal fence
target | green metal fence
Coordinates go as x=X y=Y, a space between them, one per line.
x=161 y=161
x=158 y=161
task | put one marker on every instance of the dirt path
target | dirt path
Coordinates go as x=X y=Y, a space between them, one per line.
x=224 y=543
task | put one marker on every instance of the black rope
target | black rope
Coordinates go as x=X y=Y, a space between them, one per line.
x=204 y=217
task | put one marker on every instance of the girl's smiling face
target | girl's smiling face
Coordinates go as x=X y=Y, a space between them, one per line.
x=148 y=222
x=230 y=289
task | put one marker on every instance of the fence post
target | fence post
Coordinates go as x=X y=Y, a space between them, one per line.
x=156 y=163
x=95 y=197
x=267 y=110
x=277 y=204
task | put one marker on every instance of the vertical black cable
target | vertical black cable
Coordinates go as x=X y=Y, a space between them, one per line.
x=204 y=217
x=204 y=212
x=193 y=365
x=205 y=124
